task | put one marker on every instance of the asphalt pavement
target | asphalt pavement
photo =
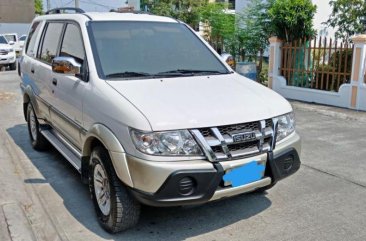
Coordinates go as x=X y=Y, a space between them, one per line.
x=42 y=197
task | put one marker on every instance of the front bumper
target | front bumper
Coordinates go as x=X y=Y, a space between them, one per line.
x=196 y=182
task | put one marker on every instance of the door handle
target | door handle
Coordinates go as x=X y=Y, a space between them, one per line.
x=54 y=81
x=32 y=70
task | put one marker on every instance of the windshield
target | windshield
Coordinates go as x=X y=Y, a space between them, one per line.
x=3 y=40
x=145 y=49
x=10 y=38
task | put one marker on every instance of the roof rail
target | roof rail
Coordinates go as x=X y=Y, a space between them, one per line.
x=59 y=10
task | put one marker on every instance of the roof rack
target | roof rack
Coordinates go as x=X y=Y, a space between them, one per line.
x=59 y=10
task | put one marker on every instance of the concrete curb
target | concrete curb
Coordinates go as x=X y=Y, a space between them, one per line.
x=18 y=226
x=342 y=113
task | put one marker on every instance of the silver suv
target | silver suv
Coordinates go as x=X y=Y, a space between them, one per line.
x=149 y=113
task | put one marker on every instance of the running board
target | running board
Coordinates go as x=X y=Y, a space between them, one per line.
x=63 y=147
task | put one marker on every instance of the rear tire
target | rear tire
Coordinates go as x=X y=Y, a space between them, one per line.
x=116 y=209
x=38 y=141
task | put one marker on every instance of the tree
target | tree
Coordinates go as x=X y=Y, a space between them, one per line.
x=187 y=11
x=222 y=26
x=38 y=6
x=348 y=17
x=292 y=19
x=254 y=29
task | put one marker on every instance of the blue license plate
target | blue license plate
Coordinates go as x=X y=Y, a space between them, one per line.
x=250 y=172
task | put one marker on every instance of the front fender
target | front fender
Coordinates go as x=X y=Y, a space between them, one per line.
x=29 y=96
x=117 y=153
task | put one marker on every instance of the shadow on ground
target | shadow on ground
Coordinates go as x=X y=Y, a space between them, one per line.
x=174 y=223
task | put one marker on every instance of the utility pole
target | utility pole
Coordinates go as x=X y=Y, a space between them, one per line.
x=48 y=5
x=77 y=4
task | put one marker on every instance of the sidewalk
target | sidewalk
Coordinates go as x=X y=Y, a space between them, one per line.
x=21 y=214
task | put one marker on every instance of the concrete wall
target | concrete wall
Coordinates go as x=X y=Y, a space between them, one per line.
x=16 y=11
x=351 y=95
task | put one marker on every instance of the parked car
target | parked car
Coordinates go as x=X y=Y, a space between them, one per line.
x=22 y=41
x=13 y=37
x=149 y=113
x=7 y=54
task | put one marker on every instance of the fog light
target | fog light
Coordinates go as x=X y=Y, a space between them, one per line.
x=186 y=186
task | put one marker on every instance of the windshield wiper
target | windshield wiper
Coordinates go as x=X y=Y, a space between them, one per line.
x=127 y=74
x=191 y=71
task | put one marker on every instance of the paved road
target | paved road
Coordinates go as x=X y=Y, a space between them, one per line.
x=41 y=196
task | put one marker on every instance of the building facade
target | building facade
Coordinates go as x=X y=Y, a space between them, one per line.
x=16 y=11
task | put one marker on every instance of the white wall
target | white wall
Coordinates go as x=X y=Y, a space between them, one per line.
x=322 y=15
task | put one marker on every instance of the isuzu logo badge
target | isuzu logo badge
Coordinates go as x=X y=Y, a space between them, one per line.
x=243 y=137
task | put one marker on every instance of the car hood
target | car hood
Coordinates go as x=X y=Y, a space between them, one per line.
x=5 y=46
x=201 y=101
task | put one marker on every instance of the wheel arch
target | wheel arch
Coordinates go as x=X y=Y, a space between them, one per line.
x=26 y=100
x=29 y=97
x=99 y=134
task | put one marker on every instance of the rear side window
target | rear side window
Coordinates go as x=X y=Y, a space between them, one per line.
x=72 y=44
x=50 y=42
x=33 y=33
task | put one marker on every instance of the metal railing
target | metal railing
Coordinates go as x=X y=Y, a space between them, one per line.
x=321 y=63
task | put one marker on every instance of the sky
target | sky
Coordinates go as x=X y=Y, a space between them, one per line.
x=88 y=5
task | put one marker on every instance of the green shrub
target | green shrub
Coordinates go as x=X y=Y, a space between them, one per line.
x=334 y=60
x=322 y=71
x=292 y=19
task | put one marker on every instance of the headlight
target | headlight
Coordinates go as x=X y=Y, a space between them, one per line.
x=177 y=143
x=286 y=125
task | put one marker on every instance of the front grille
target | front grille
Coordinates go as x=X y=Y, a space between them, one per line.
x=4 y=52
x=242 y=146
x=239 y=127
x=221 y=142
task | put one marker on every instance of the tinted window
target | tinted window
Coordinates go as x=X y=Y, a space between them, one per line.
x=23 y=38
x=151 y=48
x=33 y=33
x=3 y=40
x=50 y=42
x=72 y=45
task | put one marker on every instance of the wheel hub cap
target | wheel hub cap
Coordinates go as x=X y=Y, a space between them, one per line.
x=101 y=188
x=33 y=125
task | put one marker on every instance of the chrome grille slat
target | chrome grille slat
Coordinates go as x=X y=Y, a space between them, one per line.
x=218 y=142
x=218 y=135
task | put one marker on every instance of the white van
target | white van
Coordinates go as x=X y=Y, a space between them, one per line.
x=149 y=113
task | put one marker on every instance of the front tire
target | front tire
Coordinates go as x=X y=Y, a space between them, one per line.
x=38 y=141
x=116 y=209
x=13 y=66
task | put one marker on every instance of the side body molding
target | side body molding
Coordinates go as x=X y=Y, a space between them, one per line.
x=117 y=153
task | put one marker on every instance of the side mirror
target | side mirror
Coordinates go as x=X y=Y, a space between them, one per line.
x=66 y=65
x=11 y=42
